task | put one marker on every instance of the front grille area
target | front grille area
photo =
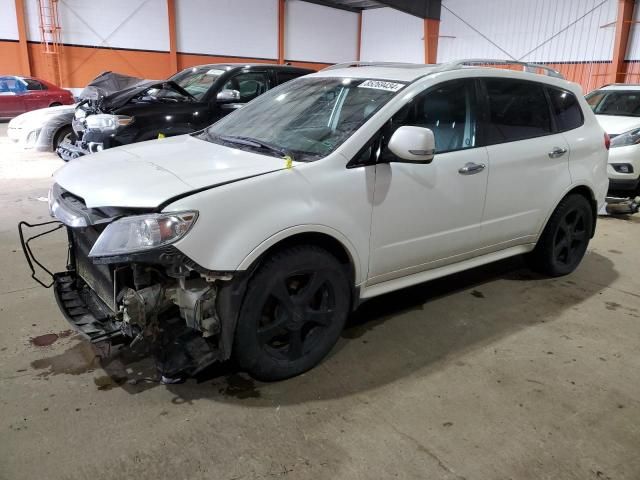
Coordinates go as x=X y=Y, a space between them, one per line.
x=98 y=277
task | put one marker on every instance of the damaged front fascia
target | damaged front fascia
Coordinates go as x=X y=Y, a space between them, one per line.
x=209 y=304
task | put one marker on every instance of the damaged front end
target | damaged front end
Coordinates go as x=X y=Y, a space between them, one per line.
x=117 y=291
x=97 y=123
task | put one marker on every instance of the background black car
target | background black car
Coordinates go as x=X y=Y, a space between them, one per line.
x=188 y=101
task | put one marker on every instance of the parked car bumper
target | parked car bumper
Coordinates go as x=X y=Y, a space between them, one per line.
x=624 y=167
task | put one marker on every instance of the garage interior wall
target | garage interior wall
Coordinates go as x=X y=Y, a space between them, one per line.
x=574 y=36
x=315 y=33
x=391 y=36
x=632 y=57
x=578 y=37
x=9 y=49
x=132 y=36
x=230 y=30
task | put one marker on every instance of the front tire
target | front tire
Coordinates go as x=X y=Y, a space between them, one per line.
x=564 y=240
x=293 y=312
x=65 y=134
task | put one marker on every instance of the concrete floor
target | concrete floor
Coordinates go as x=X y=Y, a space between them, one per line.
x=491 y=374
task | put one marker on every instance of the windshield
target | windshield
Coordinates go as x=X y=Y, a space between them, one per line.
x=615 y=102
x=197 y=81
x=308 y=117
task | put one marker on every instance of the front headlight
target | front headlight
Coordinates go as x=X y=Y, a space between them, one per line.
x=106 y=122
x=631 y=137
x=142 y=232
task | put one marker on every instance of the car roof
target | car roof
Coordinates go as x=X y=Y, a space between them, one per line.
x=232 y=66
x=409 y=72
x=621 y=86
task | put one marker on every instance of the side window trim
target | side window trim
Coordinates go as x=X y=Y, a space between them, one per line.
x=552 y=115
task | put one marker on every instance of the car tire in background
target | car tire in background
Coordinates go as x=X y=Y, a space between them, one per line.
x=565 y=238
x=65 y=134
x=55 y=104
x=293 y=312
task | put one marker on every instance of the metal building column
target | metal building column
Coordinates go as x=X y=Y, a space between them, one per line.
x=281 y=31
x=359 y=44
x=431 y=33
x=25 y=64
x=173 y=43
x=618 y=69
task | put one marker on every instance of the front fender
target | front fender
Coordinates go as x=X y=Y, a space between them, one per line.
x=299 y=229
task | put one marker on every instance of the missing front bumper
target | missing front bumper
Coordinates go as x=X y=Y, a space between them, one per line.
x=83 y=309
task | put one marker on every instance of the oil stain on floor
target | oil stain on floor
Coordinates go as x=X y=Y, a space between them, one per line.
x=78 y=359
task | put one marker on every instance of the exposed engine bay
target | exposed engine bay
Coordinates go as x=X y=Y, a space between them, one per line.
x=158 y=297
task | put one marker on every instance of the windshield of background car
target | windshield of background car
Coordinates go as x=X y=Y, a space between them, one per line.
x=307 y=117
x=615 y=102
x=197 y=81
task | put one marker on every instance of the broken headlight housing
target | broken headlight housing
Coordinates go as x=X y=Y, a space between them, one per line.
x=142 y=232
x=106 y=122
x=631 y=137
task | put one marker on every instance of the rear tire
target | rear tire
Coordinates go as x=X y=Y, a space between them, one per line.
x=565 y=238
x=293 y=312
x=55 y=104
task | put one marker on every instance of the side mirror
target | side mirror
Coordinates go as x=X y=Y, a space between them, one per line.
x=413 y=144
x=228 y=96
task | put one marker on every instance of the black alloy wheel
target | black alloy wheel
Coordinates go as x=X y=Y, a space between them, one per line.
x=294 y=310
x=565 y=238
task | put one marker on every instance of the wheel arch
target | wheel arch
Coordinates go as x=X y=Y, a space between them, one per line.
x=231 y=294
x=325 y=237
x=581 y=189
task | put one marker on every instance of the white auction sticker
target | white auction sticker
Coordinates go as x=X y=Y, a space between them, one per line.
x=381 y=85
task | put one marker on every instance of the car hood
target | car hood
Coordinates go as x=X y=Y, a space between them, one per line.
x=37 y=118
x=148 y=174
x=616 y=124
x=122 y=97
x=113 y=90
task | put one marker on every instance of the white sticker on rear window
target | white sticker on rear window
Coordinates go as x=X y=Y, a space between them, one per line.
x=213 y=71
x=381 y=85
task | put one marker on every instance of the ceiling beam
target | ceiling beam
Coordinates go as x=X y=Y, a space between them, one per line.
x=328 y=3
x=419 y=8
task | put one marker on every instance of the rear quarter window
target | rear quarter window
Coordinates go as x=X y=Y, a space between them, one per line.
x=566 y=109
x=517 y=110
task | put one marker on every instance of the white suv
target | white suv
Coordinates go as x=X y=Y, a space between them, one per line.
x=617 y=108
x=258 y=235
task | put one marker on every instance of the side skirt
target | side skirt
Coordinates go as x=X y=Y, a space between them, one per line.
x=427 y=275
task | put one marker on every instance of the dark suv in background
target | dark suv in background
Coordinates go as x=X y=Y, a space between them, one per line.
x=186 y=102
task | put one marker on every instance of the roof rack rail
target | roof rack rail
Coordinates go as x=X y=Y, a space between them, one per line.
x=368 y=64
x=489 y=62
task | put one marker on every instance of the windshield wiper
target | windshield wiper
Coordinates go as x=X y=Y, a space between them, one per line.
x=255 y=143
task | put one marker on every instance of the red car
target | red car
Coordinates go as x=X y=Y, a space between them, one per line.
x=22 y=94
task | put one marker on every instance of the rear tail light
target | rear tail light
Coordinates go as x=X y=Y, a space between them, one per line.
x=607 y=141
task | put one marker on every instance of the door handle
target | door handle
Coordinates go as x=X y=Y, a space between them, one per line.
x=557 y=152
x=470 y=168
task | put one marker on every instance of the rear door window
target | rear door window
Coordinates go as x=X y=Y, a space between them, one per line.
x=517 y=110
x=566 y=109
x=34 y=84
